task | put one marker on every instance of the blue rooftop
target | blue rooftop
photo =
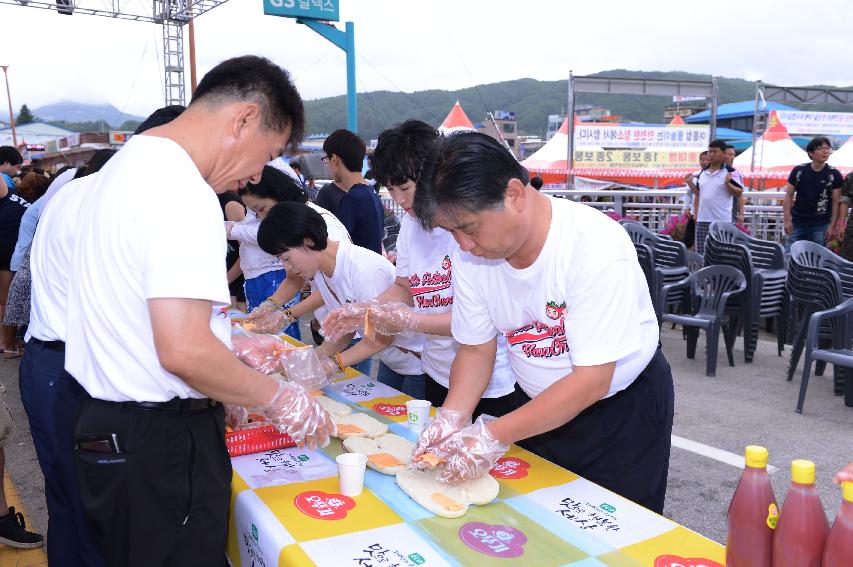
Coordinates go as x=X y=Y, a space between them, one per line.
x=734 y=110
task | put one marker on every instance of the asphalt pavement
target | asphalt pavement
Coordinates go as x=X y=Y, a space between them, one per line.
x=748 y=404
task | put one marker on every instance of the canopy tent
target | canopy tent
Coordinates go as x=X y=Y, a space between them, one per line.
x=550 y=163
x=677 y=121
x=842 y=158
x=775 y=155
x=456 y=121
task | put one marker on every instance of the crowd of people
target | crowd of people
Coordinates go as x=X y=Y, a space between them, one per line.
x=522 y=318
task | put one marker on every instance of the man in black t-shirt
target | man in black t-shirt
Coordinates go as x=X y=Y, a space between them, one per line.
x=818 y=188
x=329 y=197
x=360 y=210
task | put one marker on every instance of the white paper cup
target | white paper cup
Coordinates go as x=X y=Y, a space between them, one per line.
x=418 y=413
x=351 y=472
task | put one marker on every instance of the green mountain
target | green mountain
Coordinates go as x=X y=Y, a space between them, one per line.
x=531 y=100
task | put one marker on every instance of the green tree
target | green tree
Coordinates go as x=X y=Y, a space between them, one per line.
x=129 y=125
x=25 y=116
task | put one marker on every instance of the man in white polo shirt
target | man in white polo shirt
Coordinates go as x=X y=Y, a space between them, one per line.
x=147 y=335
x=716 y=187
x=562 y=282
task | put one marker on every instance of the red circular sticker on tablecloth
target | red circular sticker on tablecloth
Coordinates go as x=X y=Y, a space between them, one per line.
x=323 y=506
x=676 y=561
x=510 y=467
x=391 y=410
x=495 y=540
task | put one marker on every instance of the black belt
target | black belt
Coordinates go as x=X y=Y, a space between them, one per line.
x=175 y=404
x=58 y=346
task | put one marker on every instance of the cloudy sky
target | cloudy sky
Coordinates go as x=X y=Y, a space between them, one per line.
x=434 y=44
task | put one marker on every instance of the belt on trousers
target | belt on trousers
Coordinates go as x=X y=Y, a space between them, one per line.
x=58 y=346
x=175 y=404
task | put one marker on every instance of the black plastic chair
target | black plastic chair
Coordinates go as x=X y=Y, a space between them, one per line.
x=838 y=355
x=763 y=264
x=695 y=261
x=710 y=290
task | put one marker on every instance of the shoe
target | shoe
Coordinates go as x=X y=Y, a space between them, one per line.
x=13 y=531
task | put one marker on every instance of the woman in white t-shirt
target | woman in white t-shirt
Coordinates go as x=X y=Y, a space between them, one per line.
x=424 y=279
x=340 y=273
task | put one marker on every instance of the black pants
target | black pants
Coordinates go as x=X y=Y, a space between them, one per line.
x=163 y=500
x=622 y=442
x=436 y=394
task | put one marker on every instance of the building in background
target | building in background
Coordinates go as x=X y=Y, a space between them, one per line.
x=502 y=126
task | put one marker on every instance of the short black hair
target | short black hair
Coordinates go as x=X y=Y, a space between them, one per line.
x=401 y=151
x=295 y=166
x=10 y=155
x=469 y=171
x=536 y=183
x=348 y=147
x=704 y=153
x=160 y=117
x=719 y=144
x=287 y=225
x=99 y=159
x=817 y=142
x=275 y=185
x=257 y=79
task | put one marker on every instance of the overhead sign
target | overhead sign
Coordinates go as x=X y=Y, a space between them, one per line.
x=306 y=9
x=680 y=98
x=826 y=123
x=118 y=138
x=641 y=136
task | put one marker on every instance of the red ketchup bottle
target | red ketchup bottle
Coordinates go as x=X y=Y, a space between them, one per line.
x=839 y=545
x=802 y=528
x=752 y=515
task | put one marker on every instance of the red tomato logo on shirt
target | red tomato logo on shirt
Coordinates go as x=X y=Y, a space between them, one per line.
x=323 y=506
x=445 y=264
x=554 y=311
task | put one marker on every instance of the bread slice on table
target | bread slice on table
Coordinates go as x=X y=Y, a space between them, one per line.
x=388 y=454
x=335 y=408
x=359 y=425
x=446 y=500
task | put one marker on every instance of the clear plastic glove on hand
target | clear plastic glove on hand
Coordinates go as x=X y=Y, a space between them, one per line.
x=272 y=322
x=266 y=307
x=304 y=366
x=434 y=438
x=471 y=453
x=294 y=411
x=259 y=352
x=370 y=318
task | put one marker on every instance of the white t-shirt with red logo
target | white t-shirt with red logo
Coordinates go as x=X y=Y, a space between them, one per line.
x=424 y=258
x=583 y=302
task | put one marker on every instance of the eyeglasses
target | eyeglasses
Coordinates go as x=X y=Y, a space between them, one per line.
x=325 y=160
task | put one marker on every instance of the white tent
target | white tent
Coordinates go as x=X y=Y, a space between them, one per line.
x=774 y=151
x=554 y=154
x=842 y=158
x=456 y=121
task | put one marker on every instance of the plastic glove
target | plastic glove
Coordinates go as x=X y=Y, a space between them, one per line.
x=442 y=427
x=272 y=322
x=236 y=416
x=471 y=453
x=370 y=317
x=259 y=352
x=294 y=411
x=303 y=366
x=264 y=308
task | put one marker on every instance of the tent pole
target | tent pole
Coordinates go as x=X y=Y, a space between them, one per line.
x=570 y=119
x=755 y=120
x=714 y=91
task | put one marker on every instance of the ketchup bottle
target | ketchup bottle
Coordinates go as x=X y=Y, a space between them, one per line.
x=802 y=528
x=839 y=545
x=752 y=514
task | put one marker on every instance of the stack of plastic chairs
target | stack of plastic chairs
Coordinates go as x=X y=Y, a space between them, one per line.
x=670 y=265
x=817 y=289
x=763 y=264
x=710 y=291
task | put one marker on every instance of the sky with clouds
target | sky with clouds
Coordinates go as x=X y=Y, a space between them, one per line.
x=434 y=44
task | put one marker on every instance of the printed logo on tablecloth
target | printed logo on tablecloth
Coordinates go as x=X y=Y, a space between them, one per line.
x=510 y=467
x=676 y=561
x=592 y=509
x=391 y=410
x=495 y=540
x=322 y=505
x=252 y=549
x=363 y=388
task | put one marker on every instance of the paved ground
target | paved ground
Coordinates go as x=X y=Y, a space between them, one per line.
x=751 y=403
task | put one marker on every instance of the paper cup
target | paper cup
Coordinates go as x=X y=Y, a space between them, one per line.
x=418 y=412
x=351 y=473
